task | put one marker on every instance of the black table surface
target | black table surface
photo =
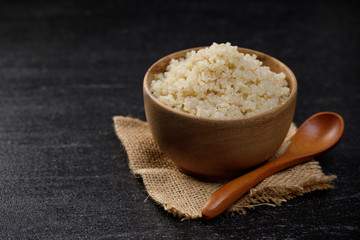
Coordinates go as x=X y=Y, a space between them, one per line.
x=67 y=68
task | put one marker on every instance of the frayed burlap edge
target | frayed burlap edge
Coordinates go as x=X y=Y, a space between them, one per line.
x=275 y=196
x=183 y=196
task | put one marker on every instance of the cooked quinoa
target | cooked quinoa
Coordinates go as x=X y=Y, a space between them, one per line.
x=220 y=82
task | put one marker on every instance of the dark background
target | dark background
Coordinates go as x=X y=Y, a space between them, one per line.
x=66 y=68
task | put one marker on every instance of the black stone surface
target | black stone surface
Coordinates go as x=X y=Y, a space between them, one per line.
x=67 y=67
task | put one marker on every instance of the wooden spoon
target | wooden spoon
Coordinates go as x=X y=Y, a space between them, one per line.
x=316 y=135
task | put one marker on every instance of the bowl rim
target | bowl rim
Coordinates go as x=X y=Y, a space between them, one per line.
x=289 y=100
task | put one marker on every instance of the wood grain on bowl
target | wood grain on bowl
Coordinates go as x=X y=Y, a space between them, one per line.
x=218 y=149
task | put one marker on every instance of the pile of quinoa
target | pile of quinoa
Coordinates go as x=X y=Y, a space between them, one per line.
x=220 y=82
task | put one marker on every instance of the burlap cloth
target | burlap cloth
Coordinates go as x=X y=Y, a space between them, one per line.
x=184 y=196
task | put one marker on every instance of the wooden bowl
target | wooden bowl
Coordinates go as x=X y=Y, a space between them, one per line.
x=218 y=149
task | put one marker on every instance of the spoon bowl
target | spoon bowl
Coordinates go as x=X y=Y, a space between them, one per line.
x=319 y=133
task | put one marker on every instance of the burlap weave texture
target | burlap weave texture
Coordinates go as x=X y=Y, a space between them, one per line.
x=184 y=196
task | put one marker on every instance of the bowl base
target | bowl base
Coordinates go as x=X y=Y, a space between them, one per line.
x=218 y=179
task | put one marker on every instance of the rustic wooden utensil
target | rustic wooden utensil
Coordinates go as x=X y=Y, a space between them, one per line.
x=316 y=135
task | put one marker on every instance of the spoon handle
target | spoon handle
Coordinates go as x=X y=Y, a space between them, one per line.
x=225 y=196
